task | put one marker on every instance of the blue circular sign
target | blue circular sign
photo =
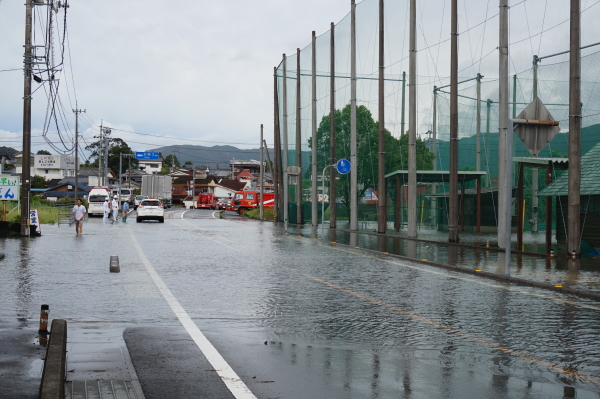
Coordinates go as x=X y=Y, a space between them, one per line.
x=343 y=166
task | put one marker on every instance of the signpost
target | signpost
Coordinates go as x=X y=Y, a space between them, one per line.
x=10 y=188
x=343 y=166
x=146 y=155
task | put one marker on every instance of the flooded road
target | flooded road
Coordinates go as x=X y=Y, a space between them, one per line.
x=298 y=317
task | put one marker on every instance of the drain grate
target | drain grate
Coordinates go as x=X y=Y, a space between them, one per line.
x=99 y=389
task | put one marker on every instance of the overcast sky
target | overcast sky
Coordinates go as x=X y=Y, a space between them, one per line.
x=201 y=72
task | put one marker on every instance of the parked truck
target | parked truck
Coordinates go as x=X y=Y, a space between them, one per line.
x=207 y=200
x=159 y=187
x=246 y=200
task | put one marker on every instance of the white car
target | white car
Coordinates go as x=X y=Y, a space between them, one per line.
x=150 y=209
x=138 y=199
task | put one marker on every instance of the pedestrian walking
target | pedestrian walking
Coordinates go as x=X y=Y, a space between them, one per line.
x=125 y=210
x=79 y=212
x=106 y=210
x=115 y=208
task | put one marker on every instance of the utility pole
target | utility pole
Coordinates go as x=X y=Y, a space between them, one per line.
x=453 y=197
x=574 y=229
x=298 y=142
x=402 y=131
x=262 y=177
x=478 y=124
x=488 y=104
x=314 y=173
x=106 y=134
x=503 y=207
x=77 y=112
x=382 y=192
x=26 y=171
x=412 y=122
x=285 y=147
x=534 y=171
x=332 y=157
x=277 y=182
x=353 y=157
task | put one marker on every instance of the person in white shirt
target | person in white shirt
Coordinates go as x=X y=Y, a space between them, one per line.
x=106 y=209
x=115 y=208
x=79 y=212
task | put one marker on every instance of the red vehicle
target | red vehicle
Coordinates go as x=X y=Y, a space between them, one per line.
x=246 y=200
x=207 y=200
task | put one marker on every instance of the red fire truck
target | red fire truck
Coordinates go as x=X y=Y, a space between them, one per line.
x=207 y=200
x=246 y=200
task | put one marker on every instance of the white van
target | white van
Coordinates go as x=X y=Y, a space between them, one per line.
x=125 y=196
x=96 y=198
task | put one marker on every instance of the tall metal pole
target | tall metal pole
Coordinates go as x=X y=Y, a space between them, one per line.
x=107 y=131
x=298 y=141
x=514 y=93
x=381 y=186
x=453 y=211
x=262 y=177
x=77 y=112
x=574 y=229
x=488 y=104
x=101 y=156
x=412 y=123
x=503 y=206
x=314 y=171
x=332 y=155
x=434 y=129
x=285 y=146
x=402 y=131
x=353 y=157
x=278 y=183
x=478 y=124
x=534 y=171
x=26 y=171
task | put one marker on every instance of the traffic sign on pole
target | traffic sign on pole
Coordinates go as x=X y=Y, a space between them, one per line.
x=146 y=155
x=343 y=166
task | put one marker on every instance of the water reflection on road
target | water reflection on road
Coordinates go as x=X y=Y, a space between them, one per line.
x=319 y=319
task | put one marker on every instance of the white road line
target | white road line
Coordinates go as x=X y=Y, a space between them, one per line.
x=229 y=377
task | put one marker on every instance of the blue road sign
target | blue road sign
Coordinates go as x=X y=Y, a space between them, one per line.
x=146 y=155
x=343 y=166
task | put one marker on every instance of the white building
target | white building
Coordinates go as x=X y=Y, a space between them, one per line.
x=150 y=166
x=49 y=166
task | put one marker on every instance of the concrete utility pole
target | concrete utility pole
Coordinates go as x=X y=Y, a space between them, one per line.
x=332 y=157
x=298 y=142
x=314 y=173
x=353 y=157
x=503 y=207
x=488 y=104
x=262 y=177
x=106 y=136
x=26 y=171
x=412 y=123
x=574 y=229
x=434 y=129
x=77 y=112
x=285 y=146
x=381 y=186
x=453 y=197
x=534 y=171
x=478 y=124
x=278 y=183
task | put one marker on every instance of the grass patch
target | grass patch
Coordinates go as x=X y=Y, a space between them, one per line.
x=269 y=214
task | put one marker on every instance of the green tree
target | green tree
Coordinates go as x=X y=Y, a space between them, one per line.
x=38 y=181
x=43 y=152
x=116 y=147
x=168 y=162
x=367 y=138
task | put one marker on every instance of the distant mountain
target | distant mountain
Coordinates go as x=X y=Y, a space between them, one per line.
x=216 y=156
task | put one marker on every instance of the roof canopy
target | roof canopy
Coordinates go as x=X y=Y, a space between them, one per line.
x=437 y=176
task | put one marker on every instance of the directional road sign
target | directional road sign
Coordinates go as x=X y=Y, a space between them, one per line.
x=146 y=155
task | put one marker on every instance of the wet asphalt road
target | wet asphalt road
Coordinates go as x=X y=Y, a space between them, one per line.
x=296 y=317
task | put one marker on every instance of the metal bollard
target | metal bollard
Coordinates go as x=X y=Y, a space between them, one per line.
x=44 y=319
x=487 y=244
x=551 y=253
x=114 y=264
x=573 y=255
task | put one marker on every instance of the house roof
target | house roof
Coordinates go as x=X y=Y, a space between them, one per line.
x=244 y=174
x=230 y=184
x=590 y=177
x=82 y=187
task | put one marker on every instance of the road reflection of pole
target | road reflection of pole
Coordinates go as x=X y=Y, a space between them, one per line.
x=501 y=263
x=375 y=374
x=24 y=288
x=501 y=336
x=381 y=243
x=332 y=235
x=314 y=232
x=411 y=249
x=452 y=254
x=573 y=266
x=353 y=239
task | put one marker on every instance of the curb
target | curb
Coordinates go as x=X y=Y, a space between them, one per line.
x=54 y=374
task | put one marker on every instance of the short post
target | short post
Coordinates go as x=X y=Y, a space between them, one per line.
x=44 y=319
x=114 y=264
